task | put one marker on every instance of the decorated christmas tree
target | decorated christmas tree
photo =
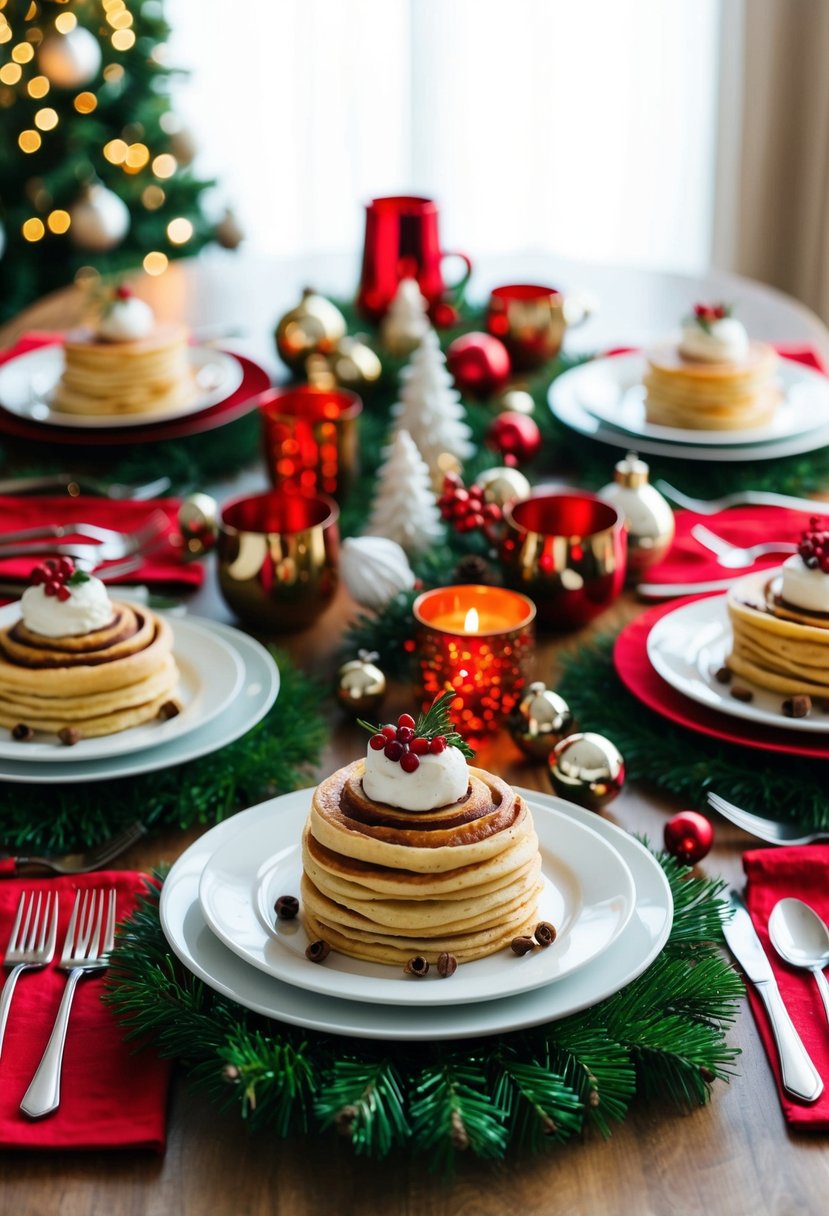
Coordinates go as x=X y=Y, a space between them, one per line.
x=405 y=509
x=96 y=166
x=430 y=410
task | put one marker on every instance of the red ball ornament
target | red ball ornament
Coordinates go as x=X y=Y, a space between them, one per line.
x=515 y=436
x=479 y=363
x=688 y=837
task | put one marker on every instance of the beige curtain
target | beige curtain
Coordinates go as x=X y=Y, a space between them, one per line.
x=772 y=213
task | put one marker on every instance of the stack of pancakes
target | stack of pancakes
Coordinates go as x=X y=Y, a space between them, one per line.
x=777 y=645
x=385 y=885
x=696 y=395
x=96 y=683
x=140 y=376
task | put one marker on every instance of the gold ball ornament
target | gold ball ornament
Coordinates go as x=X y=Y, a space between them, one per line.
x=540 y=721
x=649 y=518
x=354 y=365
x=518 y=400
x=361 y=685
x=502 y=485
x=587 y=769
x=100 y=220
x=198 y=522
x=314 y=326
x=69 y=60
x=229 y=233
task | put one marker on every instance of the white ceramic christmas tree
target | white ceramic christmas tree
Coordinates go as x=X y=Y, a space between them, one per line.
x=430 y=409
x=406 y=321
x=405 y=509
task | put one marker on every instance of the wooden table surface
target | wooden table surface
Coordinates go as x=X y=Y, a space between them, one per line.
x=732 y=1157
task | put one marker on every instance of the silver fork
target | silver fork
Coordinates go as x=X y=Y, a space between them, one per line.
x=79 y=863
x=741 y=498
x=113 y=546
x=735 y=557
x=31 y=944
x=89 y=941
x=774 y=831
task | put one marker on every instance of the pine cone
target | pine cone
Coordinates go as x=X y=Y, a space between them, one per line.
x=473 y=569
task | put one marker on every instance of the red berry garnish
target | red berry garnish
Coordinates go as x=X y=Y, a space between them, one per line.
x=389 y=731
x=377 y=742
x=50 y=588
x=51 y=565
x=64 y=593
x=405 y=734
x=406 y=720
x=38 y=576
x=123 y=293
x=409 y=762
x=393 y=750
x=437 y=745
x=419 y=746
x=65 y=567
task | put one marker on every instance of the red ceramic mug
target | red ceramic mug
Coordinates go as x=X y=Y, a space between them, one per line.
x=401 y=242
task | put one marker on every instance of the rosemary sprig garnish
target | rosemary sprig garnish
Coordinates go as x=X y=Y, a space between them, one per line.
x=435 y=721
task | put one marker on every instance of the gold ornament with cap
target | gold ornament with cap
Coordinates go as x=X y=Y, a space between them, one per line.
x=354 y=364
x=361 y=685
x=649 y=518
x=198 y=522
x=587 y=769
x=314 y=326
x=540 y=721
x=502 y=485
x=515 y=399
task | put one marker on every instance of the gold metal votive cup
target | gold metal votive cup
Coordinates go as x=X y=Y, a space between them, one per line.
x=310 y=438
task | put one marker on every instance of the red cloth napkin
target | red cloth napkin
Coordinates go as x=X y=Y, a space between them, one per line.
x=688 y=561
x=161 y=566
x=800 y=871
x=112 y=1096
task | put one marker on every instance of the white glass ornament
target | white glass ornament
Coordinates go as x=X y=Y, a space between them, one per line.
x=375 y=570
x=69 y=60
x=100 y=220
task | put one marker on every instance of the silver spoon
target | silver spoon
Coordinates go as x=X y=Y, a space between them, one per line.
x=800 y=937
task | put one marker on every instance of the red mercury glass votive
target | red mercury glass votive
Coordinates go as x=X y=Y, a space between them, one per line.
x=475 y=640
x=310 y=438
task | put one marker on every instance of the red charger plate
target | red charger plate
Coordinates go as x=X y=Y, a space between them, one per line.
x=630 y=658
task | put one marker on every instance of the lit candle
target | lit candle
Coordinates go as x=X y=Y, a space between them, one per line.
x=474 y=640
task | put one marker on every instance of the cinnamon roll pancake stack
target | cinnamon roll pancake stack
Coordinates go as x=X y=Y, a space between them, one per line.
x=76 y=661
x=431 y=858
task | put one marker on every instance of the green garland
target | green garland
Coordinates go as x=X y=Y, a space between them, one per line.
x=682 y=763
x=661 y=1037
x=279 y=754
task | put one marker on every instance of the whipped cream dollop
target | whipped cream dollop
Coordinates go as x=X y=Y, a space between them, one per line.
x=804 y=587
x=721 y=341
x=125 y=320
x=438 y=781
x=87 y=608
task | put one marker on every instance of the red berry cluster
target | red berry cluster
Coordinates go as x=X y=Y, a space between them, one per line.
x=401 y=744
x=123 y=293
x=814 y=546
x=711 y=312
x=53 y=576
x=464 y=507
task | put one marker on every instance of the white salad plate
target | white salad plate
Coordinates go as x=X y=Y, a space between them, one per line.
x=576 y=397
x=28 y=382
x=687 y=646
x=205 y=641
x=588 y=895
x=197 y=947
x=612 y=390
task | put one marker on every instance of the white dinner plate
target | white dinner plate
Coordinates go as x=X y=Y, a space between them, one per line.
x=565 y=398
x=612 y=390
x=206 y=957
x=588 y=896
x=28 y=382
x=210 y=675
x=688 y=645
x=256 y=693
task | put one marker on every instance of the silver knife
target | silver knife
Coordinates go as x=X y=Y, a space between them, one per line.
x=667 y=591
x=799 y=1075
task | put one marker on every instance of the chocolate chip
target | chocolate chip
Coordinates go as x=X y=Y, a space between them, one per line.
x=723 y=675
x=545 y=933
x=418 y=966
x=317 y=951
x=170 y=709
x=22 y=733
x=740 y=693
x=522 y=945
x=70 y=735
x=286 y=907
x=447 y=965
x=797 y=707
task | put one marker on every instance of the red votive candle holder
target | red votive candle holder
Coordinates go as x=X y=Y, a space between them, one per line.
x=476 y=641
x=310 y=438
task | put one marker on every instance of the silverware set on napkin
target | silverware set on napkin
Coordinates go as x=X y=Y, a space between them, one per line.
x=87 y=945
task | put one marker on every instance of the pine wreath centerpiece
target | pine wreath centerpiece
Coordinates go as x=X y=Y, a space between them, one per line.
x=662 y=1037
